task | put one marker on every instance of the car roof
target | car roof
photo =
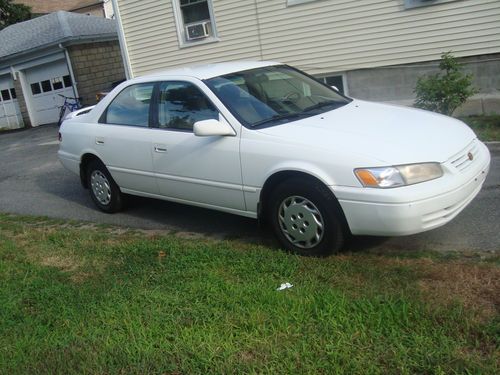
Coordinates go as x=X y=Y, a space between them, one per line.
x=207 y=71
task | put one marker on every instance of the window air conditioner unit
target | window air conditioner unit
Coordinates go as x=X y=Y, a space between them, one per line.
x=198 y=30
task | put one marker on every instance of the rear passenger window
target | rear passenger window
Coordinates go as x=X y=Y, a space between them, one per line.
x=131 y=106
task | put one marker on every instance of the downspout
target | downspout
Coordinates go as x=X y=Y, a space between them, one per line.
x=70 y=69
x=258 y=29
x=123 y=44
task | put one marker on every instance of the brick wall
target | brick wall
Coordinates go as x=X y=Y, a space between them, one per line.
x=96 y=66
x=22 y=103
x=49 y=6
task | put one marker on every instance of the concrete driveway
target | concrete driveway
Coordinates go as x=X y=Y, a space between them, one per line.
x=32 y=182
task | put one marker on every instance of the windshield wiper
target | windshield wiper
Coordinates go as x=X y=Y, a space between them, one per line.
x=322 y=104
x=286 y=116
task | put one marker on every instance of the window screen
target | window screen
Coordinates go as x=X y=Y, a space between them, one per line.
x=35 y=88
x=5 y=94
x=67 y=81
x=57 y=83
x=46 y=87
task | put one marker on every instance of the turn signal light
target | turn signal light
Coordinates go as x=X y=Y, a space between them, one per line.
x=366 y=177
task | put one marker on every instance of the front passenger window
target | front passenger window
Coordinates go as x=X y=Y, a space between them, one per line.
x=181 y=104
x=131 y=106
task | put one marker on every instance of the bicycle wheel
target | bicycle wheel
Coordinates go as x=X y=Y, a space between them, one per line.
x=61 y=115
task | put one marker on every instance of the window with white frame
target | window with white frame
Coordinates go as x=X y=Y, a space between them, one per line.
x=195 y=21
x=336 y=80
x=422 y=3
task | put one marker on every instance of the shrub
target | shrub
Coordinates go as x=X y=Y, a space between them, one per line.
x=445 y=91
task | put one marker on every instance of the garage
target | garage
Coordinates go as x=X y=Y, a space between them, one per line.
x=55 y=55
x=46 y=83
x=10 y=114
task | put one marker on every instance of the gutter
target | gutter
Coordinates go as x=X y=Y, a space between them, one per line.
x=70 y=70
x=123 y=43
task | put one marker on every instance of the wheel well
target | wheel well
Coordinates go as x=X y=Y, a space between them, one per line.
x=278 y=178
x=86 y=159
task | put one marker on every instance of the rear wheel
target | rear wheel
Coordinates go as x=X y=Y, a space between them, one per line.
x=103 y=189
x=306 y=217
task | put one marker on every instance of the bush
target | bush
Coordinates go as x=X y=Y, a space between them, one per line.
x=445 y=91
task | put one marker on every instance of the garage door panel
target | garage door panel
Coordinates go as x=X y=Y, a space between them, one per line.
x=47 y=82
x=10 y=114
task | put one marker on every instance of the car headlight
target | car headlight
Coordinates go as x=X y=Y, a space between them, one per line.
x=399 y=175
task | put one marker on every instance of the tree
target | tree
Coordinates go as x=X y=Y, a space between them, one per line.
x=445 y=91
x=11 y=13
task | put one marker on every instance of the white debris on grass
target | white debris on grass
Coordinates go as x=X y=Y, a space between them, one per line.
x=284 y=286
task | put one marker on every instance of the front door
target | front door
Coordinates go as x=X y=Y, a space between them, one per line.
x=189 y=168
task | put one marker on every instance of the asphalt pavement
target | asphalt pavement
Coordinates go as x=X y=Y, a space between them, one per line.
x=33 y=182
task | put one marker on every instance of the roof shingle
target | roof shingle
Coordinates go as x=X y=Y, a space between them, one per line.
x=51 y=29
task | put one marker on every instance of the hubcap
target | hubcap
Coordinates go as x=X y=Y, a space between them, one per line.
x=100 y=187
x=301 y=222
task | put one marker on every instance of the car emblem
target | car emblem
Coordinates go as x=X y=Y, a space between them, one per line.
x=470 y=156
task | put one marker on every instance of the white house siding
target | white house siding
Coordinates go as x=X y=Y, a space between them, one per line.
x=328 y=36
x=151 y=35
x=321 y=37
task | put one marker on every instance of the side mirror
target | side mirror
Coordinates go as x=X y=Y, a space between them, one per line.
x=207 y=128
x=335 y=88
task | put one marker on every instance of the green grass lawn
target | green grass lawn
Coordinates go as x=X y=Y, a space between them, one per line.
x=487 y=128
x=79 y=299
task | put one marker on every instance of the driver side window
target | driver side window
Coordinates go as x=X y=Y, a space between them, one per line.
x=181 y=104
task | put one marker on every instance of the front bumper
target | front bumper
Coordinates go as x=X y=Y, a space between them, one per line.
x=420 y=207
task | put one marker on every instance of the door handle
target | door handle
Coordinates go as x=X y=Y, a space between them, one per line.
x=160 y=149
x=99 y=141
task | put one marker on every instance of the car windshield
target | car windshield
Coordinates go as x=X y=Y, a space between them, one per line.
x=274 y=95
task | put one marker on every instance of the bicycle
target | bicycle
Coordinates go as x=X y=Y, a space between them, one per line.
x=69 y=103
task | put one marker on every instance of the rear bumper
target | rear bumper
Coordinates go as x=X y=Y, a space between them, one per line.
x=69 y=161
x=416 y=208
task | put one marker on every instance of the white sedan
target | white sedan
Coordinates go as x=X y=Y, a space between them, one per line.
x=267 y=141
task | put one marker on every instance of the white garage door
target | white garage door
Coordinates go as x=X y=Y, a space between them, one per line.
x=10 y=115
x=46 y=82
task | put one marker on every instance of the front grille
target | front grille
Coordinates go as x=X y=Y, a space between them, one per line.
x=461 y=161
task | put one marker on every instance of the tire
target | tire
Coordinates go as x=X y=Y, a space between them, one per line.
x=306 y=218
x=103 y=189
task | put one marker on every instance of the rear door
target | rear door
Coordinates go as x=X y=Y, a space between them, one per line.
x=123 y=139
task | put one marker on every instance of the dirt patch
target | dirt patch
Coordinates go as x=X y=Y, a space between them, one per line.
x=474 y=285
x=66 y=264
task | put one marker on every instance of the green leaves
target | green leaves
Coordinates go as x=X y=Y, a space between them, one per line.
x=446 y=91
x=11 y=13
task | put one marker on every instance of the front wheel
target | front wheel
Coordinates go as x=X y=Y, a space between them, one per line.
x=62 y=112
x=103 y=189
x=306 y=218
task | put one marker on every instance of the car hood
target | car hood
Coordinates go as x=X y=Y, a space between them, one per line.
x=388 y=133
